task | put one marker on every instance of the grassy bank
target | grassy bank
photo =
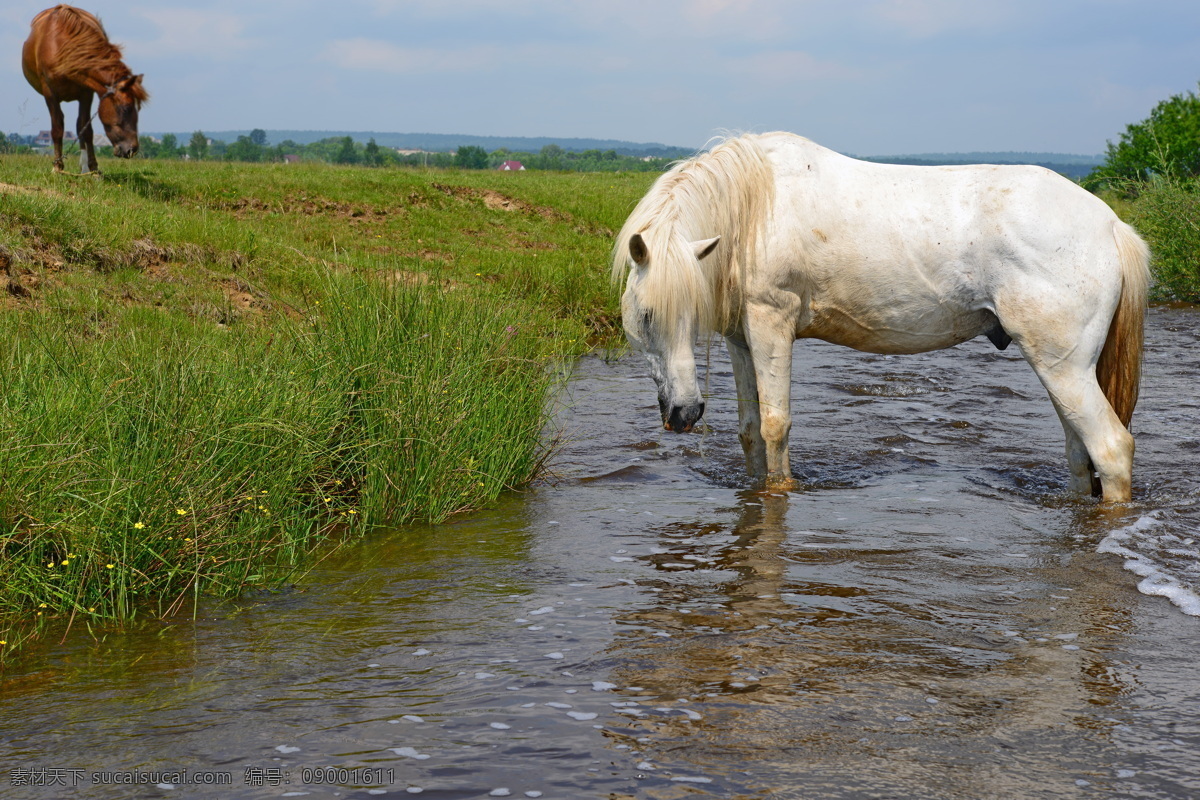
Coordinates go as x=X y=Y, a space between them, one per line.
x=212 y=369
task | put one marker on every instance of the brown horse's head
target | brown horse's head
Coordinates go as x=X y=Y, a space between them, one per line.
x=119 y=113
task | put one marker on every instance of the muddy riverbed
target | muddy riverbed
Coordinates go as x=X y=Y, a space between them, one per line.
x=930 y=616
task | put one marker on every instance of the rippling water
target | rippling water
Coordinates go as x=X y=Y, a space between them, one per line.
x=931 y=616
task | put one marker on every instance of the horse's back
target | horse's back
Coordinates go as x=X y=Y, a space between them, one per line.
x=62 y=41
x=896 y=258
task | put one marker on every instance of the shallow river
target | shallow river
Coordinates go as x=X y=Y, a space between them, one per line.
x=929 y=617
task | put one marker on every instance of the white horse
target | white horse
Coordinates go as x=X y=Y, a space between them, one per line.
x=769 y=238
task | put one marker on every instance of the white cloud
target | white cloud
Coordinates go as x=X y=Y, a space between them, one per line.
x=185 y=31
x=461 y=9
x=711 y=8
x=928 y=18
x=378 y=56
x=786 y=66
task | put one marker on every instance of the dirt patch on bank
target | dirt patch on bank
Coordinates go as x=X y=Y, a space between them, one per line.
x=303 y=206
x=501 y=202
x=17 y=284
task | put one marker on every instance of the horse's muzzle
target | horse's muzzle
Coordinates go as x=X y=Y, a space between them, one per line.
x=124 y=150
x=681 y=419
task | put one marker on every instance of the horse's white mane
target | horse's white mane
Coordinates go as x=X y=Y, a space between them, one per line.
x=724 y=192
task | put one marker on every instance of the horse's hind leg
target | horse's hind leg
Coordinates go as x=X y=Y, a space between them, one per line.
x=1061 y=335
x=1086 y=412
x=57 y=126
x=749 y=421
x=1082 y=473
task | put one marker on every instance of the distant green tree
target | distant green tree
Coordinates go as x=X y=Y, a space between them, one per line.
x=169 y=147
x=13 y=143
x=346 y=153
x=243 y=150
x=259 y=137
x=371 y=155
x=198 y=145
x=551 y=157
x=148 y=147
x=471 y=157
x=1165 y=143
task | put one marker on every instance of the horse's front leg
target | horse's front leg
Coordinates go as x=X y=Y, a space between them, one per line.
x=749 y=422
x=83 y=129
x=57 y=127
x=770 y=335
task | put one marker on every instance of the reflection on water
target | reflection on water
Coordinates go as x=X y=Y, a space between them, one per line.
x=928 y=617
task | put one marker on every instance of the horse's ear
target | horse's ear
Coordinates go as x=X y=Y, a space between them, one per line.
x=705 y=247
x=637 y=249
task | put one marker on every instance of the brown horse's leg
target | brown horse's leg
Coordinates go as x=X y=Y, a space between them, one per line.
x=83 y=129
x=56 y=131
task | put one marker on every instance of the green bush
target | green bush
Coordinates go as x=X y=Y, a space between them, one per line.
x=1165 y=143
x=1167 y=214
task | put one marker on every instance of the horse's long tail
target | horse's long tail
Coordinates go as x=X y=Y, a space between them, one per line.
x=1119 y=369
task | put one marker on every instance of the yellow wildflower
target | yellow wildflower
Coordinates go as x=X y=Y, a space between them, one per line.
x=138 y=525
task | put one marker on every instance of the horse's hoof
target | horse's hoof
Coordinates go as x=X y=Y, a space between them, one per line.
x=780 y=483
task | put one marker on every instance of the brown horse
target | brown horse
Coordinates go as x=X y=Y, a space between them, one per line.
x=68 y=58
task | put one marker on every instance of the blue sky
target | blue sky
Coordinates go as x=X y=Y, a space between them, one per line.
x=869 y=77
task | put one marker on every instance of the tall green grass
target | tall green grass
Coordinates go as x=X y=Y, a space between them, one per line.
x=143 y=465
x=154 y=461
x=445 y=397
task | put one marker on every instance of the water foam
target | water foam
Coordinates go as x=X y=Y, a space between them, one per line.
x=1149 y=535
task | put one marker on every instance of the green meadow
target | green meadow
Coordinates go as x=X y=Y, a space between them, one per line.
x=214 y=370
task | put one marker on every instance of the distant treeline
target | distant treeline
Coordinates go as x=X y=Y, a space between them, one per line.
x=477 y=152
x=345 y=150
x=1074 y=167
x=448 y=143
